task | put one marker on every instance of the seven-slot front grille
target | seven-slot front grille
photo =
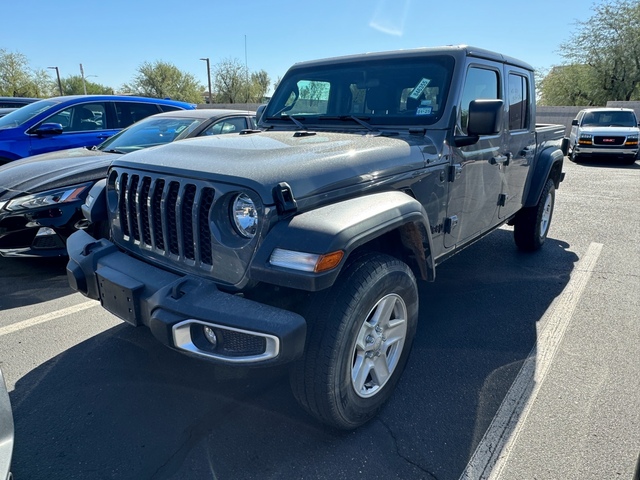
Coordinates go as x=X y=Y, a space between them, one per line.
x=169 y=216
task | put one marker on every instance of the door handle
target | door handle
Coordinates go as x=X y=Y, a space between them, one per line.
x=501 y=159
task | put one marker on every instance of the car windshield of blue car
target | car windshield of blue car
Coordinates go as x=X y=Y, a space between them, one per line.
x=26 y=113
x=150 y=132
x=363 y=93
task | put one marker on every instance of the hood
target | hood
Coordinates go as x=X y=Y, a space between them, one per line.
x=610 y=131
x=53 y=170
x=310 y=164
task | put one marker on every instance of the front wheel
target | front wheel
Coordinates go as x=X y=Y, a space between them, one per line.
x=360 y=335
x=532 y=223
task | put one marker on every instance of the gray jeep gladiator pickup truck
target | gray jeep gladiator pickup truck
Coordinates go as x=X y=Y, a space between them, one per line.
x=301 y=242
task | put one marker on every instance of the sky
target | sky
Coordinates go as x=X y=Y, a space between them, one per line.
x=113 y=39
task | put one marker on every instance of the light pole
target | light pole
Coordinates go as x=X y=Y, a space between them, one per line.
x=59 y=82
x=84 y=85
x=209 y=101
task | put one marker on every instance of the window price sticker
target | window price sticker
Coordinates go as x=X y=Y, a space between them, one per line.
x=419 y=88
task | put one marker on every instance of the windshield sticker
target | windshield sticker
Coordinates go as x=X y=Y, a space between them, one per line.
x=425 y=108
x=419 y=88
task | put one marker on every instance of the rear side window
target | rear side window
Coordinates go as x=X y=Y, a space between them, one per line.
x=229 y=125
x=518 y=102
x=481 y=83
x=128 y=113
x=169 y=108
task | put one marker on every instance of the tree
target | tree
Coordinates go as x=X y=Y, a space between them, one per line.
x=233 y=83
x=260 y=82
x=17 y=79
x=570 y=85
x=72 y=85
x=602 y=58
x=230 y=81
x=164 y=80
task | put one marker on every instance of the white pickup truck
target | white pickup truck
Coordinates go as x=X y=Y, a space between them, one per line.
x=604 y=132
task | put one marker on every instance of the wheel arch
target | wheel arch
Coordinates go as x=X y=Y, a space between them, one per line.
x=548 y=165
x=389 y=222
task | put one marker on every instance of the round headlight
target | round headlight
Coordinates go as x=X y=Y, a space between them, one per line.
x=245 y=215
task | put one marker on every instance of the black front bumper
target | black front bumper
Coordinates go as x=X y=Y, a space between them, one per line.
x=177 y=308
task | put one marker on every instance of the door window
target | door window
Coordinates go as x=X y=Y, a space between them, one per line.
x=128 y=113
x=518 y=102
x=228 y=125
x=80 y=118
x=481 y=83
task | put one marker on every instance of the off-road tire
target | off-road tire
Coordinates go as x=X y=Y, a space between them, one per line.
x=363 y=325
x=532 y=224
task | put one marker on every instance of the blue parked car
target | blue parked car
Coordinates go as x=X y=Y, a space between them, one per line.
x=73 y=121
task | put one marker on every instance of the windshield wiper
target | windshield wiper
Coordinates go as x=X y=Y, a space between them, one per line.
x=114 y=150
x=358 y=120
x=298 y=123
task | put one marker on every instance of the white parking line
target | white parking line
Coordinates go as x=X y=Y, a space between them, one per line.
x=47 y=317
x=493 y=450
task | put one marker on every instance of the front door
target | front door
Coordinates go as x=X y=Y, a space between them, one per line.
x=476 y=178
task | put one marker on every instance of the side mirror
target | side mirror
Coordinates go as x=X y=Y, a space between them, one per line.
x=574 y=122
x=485 y=118
x=260 y=111
x=47 y=130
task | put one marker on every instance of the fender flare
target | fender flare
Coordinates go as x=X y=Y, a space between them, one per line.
x=548 y=165
x=345 y=225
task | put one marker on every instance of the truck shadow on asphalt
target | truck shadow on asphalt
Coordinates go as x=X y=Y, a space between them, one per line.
x=120 y=405
x=23 y=280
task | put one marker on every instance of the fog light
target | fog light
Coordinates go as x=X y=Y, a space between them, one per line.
x=210 y=335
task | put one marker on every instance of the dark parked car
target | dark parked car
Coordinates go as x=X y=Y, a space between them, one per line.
x=10 y=104
x=16 y=102
x=73 y=121
x=40 y=196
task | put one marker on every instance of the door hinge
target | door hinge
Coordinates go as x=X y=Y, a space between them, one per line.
x=454 y=172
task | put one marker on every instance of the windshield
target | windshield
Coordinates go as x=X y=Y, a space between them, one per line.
x=24 y=114
x=150 y=132
x=381 y=92
x=616 y=118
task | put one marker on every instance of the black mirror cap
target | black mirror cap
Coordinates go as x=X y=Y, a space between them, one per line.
x=574 y=122
x=485 y=117
x=260 y=111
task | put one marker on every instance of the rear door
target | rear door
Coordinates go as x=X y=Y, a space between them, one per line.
x=520 y=141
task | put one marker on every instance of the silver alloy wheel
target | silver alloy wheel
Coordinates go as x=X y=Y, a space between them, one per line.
x=379 y=345
x=546 y=215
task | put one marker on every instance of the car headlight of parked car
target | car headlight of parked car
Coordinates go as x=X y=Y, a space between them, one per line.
x=245 y=215
x=48 y=198
x=585 y=139
x=632 y=140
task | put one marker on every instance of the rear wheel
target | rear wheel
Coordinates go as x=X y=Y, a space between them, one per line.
x=360 y=335
x=532 y=224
